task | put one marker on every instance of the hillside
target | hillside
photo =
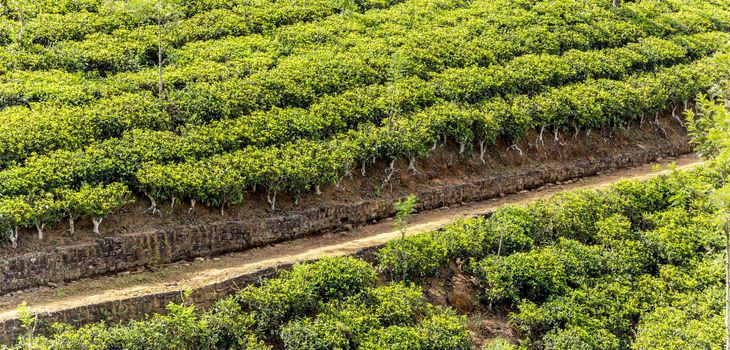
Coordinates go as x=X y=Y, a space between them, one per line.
x=364 y=174
x=207 y=102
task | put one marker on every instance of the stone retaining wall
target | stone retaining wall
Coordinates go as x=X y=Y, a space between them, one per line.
x=115 y=254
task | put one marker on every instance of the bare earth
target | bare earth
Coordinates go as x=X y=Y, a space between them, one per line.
x=190 y=275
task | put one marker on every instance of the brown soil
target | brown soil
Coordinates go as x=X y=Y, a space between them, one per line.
x=191 y=275
x=454 y=288
x=444 y=166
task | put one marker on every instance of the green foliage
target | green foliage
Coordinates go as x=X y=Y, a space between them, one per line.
x=14 y=213
x=694 y=321
x=99 y=201
x=344 y=310
x=293 y=95
x=425 y=255
x=499 y=344
x=346 y=323
x=301 y=290
x=538 y=273
x=314 y=335
x=399 y=337
x=183 y=327
x=616 y=268
x=404 y=209
x=580 y=339
x=441 y=331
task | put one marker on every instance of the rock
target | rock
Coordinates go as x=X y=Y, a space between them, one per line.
x=461 y=300
x=52 y=285
x=462 y=295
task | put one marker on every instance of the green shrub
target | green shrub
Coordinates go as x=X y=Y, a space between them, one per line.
x=184 y=327
x=444 y=330
x=317 y=334
x=397 y=304
x=576 y=338
x=694 y=322
x=335 y=278
x=539 y=273
x=499 y=344
x=372 y=319
x=297 y=292
x=394 y=337
x=509 y=229
x=424 y=253
x=569 y=215
x=350 y=320
x=678 y=236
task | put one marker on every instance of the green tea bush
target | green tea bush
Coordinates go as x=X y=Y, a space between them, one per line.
x=425 y=256
x=694 y=321
x=318 y=334
x=399 y=337
x=441 y=331
x=599 y=269
x=678 y=236
x=300 y=291
x=397 y=304
x=576 y=338
x=538 y=273
x=184 y=327
x=346 y=323
x=329 y=304
x=499 y=344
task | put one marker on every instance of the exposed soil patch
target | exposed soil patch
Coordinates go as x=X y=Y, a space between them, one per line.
x=453 y=288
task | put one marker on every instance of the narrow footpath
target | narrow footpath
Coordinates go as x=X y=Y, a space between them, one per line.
x=190 y=275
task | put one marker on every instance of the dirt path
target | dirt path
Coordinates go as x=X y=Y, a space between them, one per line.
x=190 y=275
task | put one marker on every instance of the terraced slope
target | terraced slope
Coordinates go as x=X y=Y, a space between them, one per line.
x=291 y=96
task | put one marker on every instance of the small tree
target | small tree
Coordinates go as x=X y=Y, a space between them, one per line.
x=159 y=50
x=710 y=132
x=404 y=209
x=722 y=197
x=97 y=202
x=163 y=12
x=28 y=321
x=15 y=212
x=45 y=209
x=70 y=207
x=20 y=8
